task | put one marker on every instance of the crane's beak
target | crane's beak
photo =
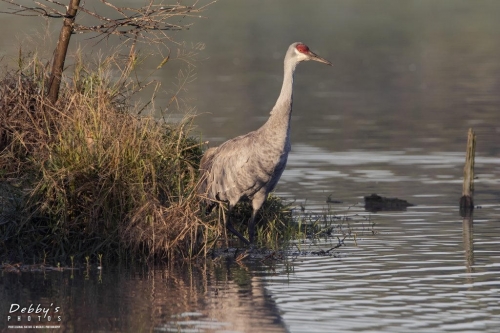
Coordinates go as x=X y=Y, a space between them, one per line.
x=316 y=57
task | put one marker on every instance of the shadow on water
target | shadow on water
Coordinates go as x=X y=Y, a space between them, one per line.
x=194 y=298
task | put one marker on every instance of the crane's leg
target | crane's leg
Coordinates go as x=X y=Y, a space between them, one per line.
x=230 y=227
x=257 y=202
x=251 y=227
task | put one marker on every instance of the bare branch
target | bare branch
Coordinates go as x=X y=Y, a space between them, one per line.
x=151 y=23
x=49 y=9
x=152 y=19
x=22 y=10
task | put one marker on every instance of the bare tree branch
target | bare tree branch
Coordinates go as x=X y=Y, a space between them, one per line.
x=22 y=10
x=153 y=18
x=150 y=23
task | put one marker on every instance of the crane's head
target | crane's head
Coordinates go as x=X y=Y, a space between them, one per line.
x=301 y=52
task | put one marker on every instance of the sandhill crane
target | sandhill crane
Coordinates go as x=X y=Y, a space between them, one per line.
x=251 y=165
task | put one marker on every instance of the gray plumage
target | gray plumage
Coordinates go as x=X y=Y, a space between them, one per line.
x=251 y=165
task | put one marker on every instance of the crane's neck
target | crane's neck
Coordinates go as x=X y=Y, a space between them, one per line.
x=278 y=124
x=283 y=105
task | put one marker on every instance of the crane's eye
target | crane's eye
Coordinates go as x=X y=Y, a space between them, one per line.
x=302 y=48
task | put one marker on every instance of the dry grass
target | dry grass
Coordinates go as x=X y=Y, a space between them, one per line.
x=94 y=178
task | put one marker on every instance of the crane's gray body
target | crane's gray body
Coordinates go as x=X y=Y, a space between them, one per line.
x=251 y=165
x=247 y=166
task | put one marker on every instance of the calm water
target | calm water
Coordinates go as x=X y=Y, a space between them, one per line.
x=390 y=117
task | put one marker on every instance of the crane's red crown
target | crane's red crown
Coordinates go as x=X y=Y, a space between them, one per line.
x=302 y=48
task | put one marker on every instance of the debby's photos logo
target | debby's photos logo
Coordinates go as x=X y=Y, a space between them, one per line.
x=35 y=314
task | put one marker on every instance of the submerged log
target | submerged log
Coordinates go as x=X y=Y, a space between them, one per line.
x=375 y=203
x=466 y=201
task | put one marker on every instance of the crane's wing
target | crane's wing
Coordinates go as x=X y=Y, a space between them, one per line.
x=232 y=170
x=205 y=167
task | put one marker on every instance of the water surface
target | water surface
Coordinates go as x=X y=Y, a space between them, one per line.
x=425 y=270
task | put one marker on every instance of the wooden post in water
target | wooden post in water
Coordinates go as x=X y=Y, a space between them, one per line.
x=466 y=201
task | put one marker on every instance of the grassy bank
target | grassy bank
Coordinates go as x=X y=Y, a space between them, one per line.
x=86 y=176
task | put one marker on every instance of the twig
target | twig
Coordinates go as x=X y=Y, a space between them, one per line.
x=323 y=252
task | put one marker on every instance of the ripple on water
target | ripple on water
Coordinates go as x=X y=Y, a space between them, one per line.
x=412 y=275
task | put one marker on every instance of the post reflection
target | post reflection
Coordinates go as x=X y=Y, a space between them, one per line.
x=468 y=237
